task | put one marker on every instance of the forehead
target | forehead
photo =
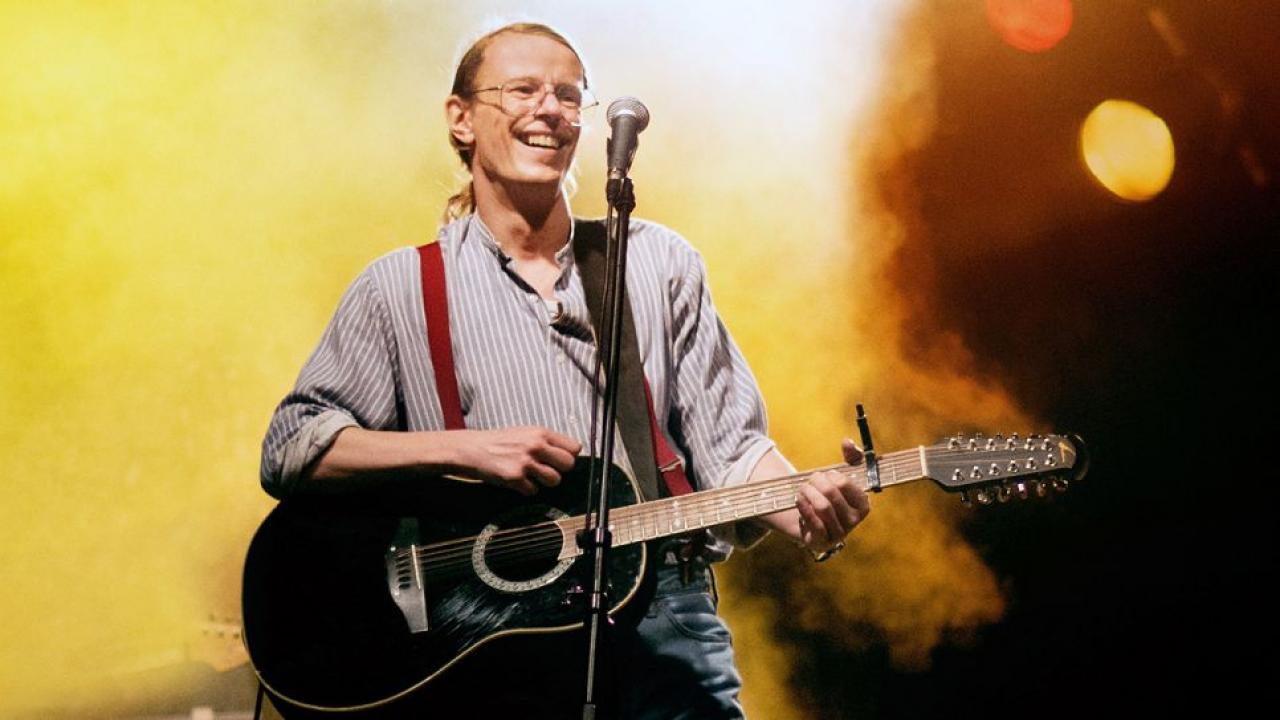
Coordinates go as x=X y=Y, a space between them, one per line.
x=512 y=55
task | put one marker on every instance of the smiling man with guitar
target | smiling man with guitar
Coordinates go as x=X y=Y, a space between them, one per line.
x=428 y=454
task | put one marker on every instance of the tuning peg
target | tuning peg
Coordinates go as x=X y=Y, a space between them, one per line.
x=1012 y=442
x=1031 y=464
x=1004 y=493
x=1013 y=466
x=984 y=497
x=1049 y=460
x=954 y=442
x=1060 y=484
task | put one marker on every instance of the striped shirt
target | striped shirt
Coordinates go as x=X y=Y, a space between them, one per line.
x=522 y=360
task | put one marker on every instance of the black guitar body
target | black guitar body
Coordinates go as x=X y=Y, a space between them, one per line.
x=330 y=585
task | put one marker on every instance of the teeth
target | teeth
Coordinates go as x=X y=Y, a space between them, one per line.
x=545 y=141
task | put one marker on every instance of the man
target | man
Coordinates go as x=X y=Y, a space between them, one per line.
x=366 y=403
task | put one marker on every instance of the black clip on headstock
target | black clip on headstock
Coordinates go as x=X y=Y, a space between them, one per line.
x=868 y=452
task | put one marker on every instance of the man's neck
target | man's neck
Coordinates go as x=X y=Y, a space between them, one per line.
x=530 y=224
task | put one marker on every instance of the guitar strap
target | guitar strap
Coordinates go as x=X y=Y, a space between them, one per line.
x=637 y=422
x=635 y=409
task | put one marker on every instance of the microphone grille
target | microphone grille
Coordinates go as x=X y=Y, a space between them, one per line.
x=628 y=106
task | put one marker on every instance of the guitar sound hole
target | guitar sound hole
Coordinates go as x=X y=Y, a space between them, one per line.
x=519 y=550
x=519 y=564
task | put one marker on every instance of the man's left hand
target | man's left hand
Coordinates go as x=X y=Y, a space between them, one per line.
x=831 y=506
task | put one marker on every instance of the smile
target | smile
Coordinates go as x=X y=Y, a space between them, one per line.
x=542 y=141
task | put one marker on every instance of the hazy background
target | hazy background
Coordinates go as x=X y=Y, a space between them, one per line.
x=893 y=210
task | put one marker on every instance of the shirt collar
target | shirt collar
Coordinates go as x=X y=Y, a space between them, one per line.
x=564 y=256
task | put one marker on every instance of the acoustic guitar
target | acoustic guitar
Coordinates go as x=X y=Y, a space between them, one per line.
x=358 y=606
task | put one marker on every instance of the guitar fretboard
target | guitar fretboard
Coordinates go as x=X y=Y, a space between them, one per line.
x=684 y=513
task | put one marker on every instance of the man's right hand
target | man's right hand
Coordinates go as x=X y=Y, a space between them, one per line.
x=519 y=458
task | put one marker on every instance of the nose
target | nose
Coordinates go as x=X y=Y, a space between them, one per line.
x=549 y=104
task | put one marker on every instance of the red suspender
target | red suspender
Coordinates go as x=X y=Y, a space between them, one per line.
x=669 y=464
x=435 y=309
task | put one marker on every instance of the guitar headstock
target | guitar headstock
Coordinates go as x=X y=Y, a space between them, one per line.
x=999 y=468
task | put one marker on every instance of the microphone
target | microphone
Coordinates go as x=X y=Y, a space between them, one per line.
x=627 y=117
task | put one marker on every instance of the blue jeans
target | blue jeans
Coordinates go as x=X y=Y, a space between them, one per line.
x=678 y=664
x=675 y=664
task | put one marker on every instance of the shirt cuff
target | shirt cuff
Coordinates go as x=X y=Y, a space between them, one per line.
x=310 y=442
x=743 y=534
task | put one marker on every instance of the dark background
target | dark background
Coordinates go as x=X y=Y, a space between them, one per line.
x=1143 y=326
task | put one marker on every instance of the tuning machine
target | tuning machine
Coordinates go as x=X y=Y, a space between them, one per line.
x=1003 y=493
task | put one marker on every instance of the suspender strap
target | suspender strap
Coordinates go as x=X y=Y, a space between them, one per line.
x=435 y=308
x=642 y=435
x=669 y=464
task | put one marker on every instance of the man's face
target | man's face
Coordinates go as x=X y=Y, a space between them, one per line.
x=532 y=148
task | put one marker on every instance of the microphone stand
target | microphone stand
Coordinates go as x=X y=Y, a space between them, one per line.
x=595 y=538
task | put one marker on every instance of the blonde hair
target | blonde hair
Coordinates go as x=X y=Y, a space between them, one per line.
x=463 y=202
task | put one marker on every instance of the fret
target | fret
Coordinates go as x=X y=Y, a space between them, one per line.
x=675 y=515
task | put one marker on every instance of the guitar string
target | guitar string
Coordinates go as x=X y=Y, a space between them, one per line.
x=636 y=524
x=550 y=546
x=517 y=537
x=745 y=490
x=544 y=540
x=907 y=460
x=626 y=512
x=533 y=544
x=536 y=537
x=632 y=529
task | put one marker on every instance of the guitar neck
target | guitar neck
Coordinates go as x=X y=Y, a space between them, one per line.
x=684 y=513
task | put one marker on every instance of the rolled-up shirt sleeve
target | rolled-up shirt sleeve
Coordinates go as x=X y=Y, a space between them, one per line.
x=719 y=412
x=349 y=380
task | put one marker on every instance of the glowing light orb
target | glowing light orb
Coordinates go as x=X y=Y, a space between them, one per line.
x=1030 y=25
x=1128 y=149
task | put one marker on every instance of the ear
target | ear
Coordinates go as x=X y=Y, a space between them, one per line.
x=457 y=113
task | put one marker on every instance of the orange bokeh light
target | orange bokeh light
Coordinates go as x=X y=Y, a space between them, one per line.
x=1030 y=25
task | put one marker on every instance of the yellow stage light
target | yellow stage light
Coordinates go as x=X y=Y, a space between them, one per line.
x=1128 y=149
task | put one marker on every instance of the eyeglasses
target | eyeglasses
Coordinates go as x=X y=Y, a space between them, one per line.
x=521 y=96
